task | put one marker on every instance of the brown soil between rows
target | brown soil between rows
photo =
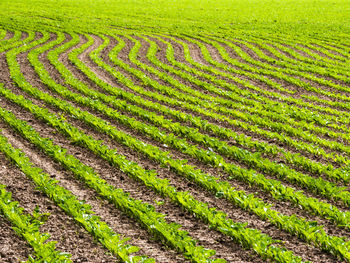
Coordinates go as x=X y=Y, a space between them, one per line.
x=313 y=48
x=275 y=159
x=263 y=138
x=117 y=220
x=284 y=83
x=331 y=49
x=69 y=236
x=195 y=50
x=192 y=231
x=233 y=213
x=106 y=139
x=123 y=55
x=200 y=230
x=332 y=67
x=254 y=56
x=297 y=47
x=321 y=52
x=298 y=51
x=244 y=131
x=103 y=74
x=9 y=35
x=250 y=134
x=12 y=247
x=142 y=137
x=197 y=232
x=218 y=123
x=143 y=59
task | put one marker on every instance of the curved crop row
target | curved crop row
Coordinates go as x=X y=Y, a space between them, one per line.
x=70 y=204
x=278 y=123
x=197 y=137
x=100 y=102
x=143 y=212
x=148 y=150
x=216 y=158
x=287 y=70
x=259 y=46
x=260 y=243
x=333 y=115
x=280 y=43
x=312 y=182
x=153 y=221
x=127 y=140
x=27 y=226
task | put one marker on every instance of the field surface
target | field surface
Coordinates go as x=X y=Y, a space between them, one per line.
x=174 y=131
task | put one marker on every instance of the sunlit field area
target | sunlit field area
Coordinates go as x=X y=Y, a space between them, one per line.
x=175 y=131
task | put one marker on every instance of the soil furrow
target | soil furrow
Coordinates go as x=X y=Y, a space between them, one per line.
x=176 y=153
x=251 y=134
x=223 y=124
x=143 y=58
x=282 y=82
x=99 y=137
x=13 y=247
x=105 y=139
x=70 y=237
x=254 y=56
x=183 y=184
x=118 y=221
x=9 y=35
x=197 y=233
x=111 y=215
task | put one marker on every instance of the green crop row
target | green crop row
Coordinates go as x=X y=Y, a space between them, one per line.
x=218 y=158
x=297 y=49
x=16 y=41
x=186 y=93
x=27 y=226
x=340 y=116
x=290 y=79
x=283 y=71
x=235 y=230
x=293 y=112
x=279 y=123
x=303 y=180
x=143 y=212
x=81 y=212
x=246 y=71
x=258 y=46
x=149 y=150
x=292 y=49
x=2 y=35
x=247 y=99
x=332 y=119
x=341 y=50
x=295 y=159
x=153 y=221
x=260 y=243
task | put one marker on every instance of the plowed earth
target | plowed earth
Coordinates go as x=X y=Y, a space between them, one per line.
x=74 y=239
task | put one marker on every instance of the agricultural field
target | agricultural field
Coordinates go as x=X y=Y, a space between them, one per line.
x=175 y=131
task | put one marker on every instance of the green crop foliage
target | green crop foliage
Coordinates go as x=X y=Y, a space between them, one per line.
x=195 y=15
x=215 y=92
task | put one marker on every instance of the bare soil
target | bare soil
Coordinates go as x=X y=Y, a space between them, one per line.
x=74 y=239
